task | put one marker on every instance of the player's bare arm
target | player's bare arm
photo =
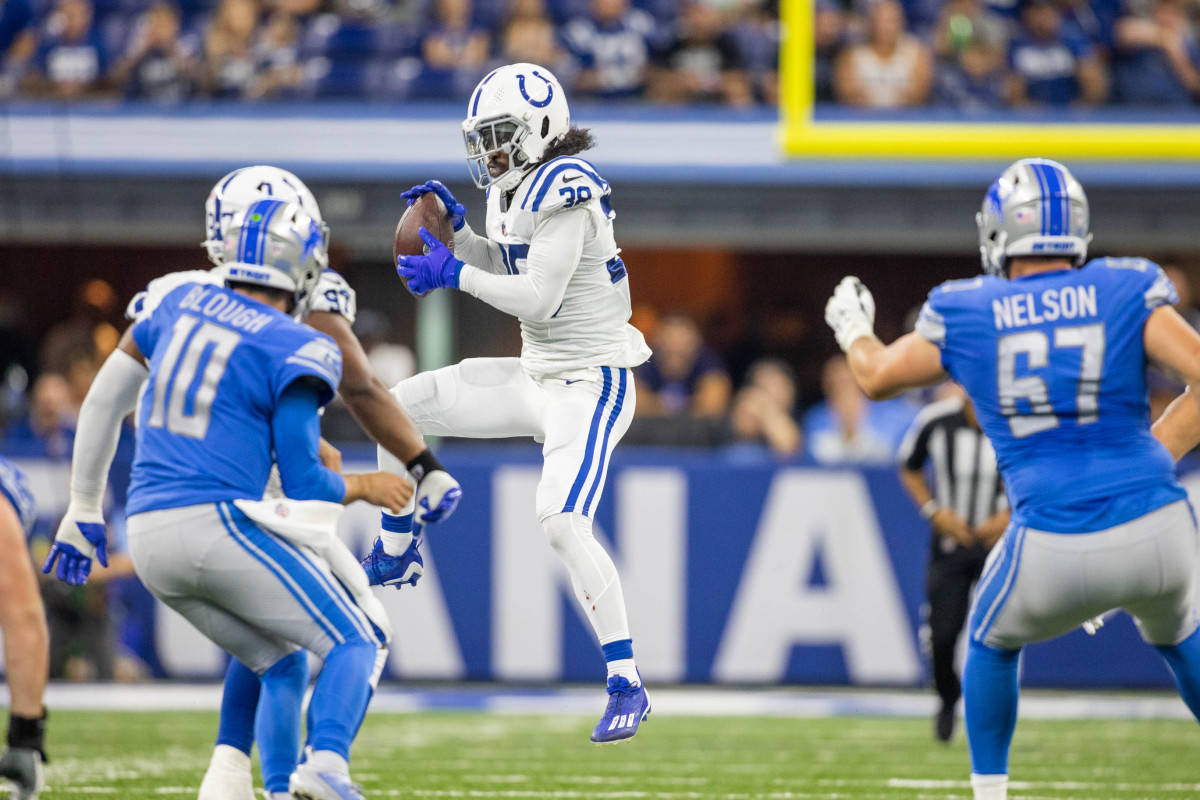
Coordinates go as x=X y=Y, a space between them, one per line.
x=1170 y=341
x=882 y=371
x=368 y=400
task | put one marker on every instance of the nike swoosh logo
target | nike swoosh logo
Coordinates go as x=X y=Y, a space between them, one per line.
x=573 y=177
x=577 y=380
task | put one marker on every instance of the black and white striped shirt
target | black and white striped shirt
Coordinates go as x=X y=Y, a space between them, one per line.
x=965 y=476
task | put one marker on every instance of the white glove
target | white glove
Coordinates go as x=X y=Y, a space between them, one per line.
x=437 y=496
x=1094 y=624
x=82 y=536
x=850 y=312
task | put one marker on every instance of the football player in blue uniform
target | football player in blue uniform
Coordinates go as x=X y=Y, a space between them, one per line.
x=233 y=381
x=1053 y=352
x=26 y=641
x=329 y=308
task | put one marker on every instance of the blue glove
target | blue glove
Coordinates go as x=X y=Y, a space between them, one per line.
x=454 y=209
x=78 y=540
x=437 y=270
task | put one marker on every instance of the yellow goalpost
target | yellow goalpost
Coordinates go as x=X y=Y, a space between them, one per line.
x=803 y=136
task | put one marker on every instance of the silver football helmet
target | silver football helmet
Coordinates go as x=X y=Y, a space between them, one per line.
x=1035 y=208
x=273 y=244
x=237 y=190
x=520 y=110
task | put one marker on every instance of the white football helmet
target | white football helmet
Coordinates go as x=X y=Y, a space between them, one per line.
x=273 y=243
x=236 y=191
x=1035 y=208
x=520 y=110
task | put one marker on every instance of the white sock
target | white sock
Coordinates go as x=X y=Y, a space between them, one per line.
x=396 y=542
x=593 y=574
x=625 y=668
x=329 y=761
x=227 y=758
x=990 y=787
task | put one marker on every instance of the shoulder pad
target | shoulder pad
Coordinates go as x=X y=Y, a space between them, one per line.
x=333 y=295
x=960 y=285
x=560 y=183
x=144 y=302
x=1136 y=264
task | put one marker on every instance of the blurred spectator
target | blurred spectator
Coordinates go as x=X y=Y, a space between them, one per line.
x=763 y=409
x=1183 y=287
x=702 y=62
x=611 y=48
x=683 y=376
x=88 y=329
x=528 y=35
x=1051 y=66
x=1157 y=59
x=157 y=66
x=48 y=428
x=455 y=50
x=277 y=67
x=757 y=36
x=1093 y=20
x=829 y=30
x=847 y=428
x=16 y=42
x=893 y=69
x=963 y=21
x=71 y=60
x=973 y=76
x=229 y=49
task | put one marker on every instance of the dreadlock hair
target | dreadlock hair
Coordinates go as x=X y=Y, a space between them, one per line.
x=575 y=140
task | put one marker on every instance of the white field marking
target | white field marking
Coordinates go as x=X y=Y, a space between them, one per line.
x=800 y=702
x=1080 y=786
x=82 y=789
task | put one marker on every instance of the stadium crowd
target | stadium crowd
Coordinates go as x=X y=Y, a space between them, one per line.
x=966 y=54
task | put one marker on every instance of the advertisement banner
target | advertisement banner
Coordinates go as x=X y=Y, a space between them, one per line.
x=733 y=573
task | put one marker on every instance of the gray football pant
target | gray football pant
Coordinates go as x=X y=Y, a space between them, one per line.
x=247 y=589
x=1039 y=585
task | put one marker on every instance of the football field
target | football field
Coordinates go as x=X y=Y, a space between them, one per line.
x=472 y=754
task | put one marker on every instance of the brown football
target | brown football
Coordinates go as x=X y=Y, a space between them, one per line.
x=428 y=213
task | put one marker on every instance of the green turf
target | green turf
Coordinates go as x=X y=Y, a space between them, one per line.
x=461 y=755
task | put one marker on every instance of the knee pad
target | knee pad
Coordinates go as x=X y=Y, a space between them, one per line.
x=563 y=530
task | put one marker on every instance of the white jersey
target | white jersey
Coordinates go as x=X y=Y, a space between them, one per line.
x=551 y=260
x=332 y=293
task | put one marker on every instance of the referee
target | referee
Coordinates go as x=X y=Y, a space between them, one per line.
x=968 y=512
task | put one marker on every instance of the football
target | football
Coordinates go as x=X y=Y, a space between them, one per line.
x=429 y=213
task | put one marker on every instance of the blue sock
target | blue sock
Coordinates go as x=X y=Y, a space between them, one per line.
x=1184 y=660
x=238 y=704
x=990 y=690
x=277 y=726
x=341 y=695
x=618 y=650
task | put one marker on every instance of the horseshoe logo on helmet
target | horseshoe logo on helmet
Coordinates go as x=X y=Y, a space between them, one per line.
x=536 y=103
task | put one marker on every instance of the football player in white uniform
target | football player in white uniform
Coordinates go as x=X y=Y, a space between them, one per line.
x=329 y=308
x=550 y=259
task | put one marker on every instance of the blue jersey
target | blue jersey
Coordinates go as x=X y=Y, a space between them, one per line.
x=15 y=488
x=219 y=362
x=1056 y=367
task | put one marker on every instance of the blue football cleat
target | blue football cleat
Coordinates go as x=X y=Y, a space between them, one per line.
x=628 y=706
x=386 y=570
